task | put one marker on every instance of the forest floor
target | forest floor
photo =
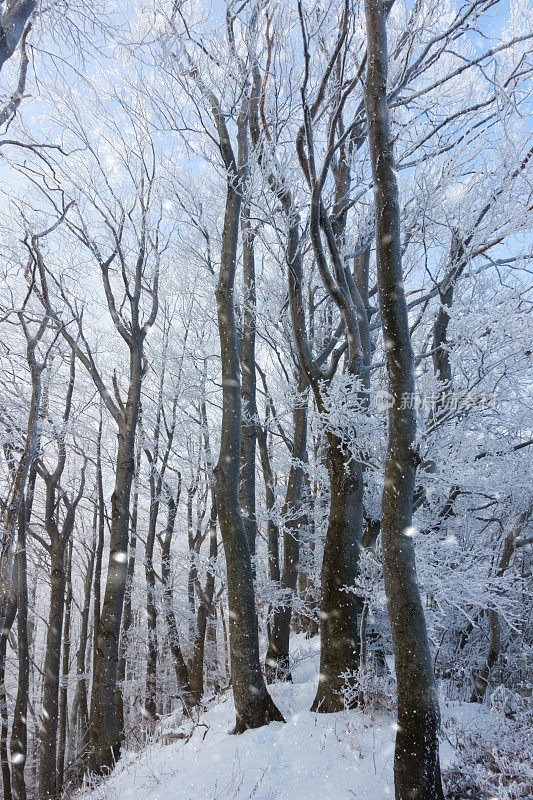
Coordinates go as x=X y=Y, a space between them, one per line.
x=312 y=757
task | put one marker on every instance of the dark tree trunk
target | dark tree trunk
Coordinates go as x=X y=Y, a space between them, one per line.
x=416 y=760
x=19 y=730
x=97 y=599
x=277 y=665
x=150 y=708
x=339 y=645
x=50 y=713
x=105 y=732
x=8 y=624
x=63 y=694
x=191 y=576
x=79 y=720
x=253 y=705
x=272 y=529
x=205 y=610
x=58 y=550
x=127 y=613
x=343 y=292
x=306 y=587
x=13 y=20
x=180 y=667
x=248 y=388
x=482 y=678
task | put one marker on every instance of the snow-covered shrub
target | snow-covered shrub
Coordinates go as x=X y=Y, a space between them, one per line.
x=493 y=760
x=368 y=691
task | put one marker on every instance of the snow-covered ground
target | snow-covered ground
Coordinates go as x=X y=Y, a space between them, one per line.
x=311 y=757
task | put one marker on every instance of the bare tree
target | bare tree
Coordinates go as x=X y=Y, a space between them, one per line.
x=416 y=760
x=59 y=535
x=136 y=284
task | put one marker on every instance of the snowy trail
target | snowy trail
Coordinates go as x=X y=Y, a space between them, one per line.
x=311 y=757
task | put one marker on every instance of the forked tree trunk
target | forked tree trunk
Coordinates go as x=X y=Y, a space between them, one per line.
x=253 y=705
x=58 y=549
x=205 y=610
x=416 y=760
x=105 y=733
x=277 y=662
x=180 y=667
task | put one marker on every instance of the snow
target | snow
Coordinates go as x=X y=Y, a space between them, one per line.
x=313 y=756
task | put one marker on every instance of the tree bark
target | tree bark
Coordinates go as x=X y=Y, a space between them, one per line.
x=19 y=729
x=97 y=593
x=180 y=667
x=127 y=613
x=205 y=610
x=416 y=760
x=339 y=606
x=63 y=694
x=8 y=624
x=105 y=733
x=12 y=23
x=150 y=710
x=248 y=388
x=277 y=663
x=253 y=705
x=272 y=529
x=50 y=712
x=79 y=720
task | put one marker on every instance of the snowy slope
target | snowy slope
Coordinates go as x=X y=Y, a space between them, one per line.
x=312 y=757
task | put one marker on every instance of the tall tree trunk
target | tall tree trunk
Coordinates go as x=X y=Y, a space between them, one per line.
x=50 y=712
x=205 y=610
x=339 y=608
x=8 y=624
x=79 y=720
x=58 y=551
x=97 y=599
x=19 y=729
x=253 y=705
x=277 y=658
x=416 y=759
x=150 y=710
x=481 y=680
x=127 y=613
x=248 y=388
x=63 y=695
x=105 y=732
x=274 y=572
x=180 y=667
x=306 y=587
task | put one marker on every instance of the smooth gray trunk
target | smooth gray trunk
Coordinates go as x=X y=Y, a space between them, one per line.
x=416 y=759
x=253 y=705
x=105 y=733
